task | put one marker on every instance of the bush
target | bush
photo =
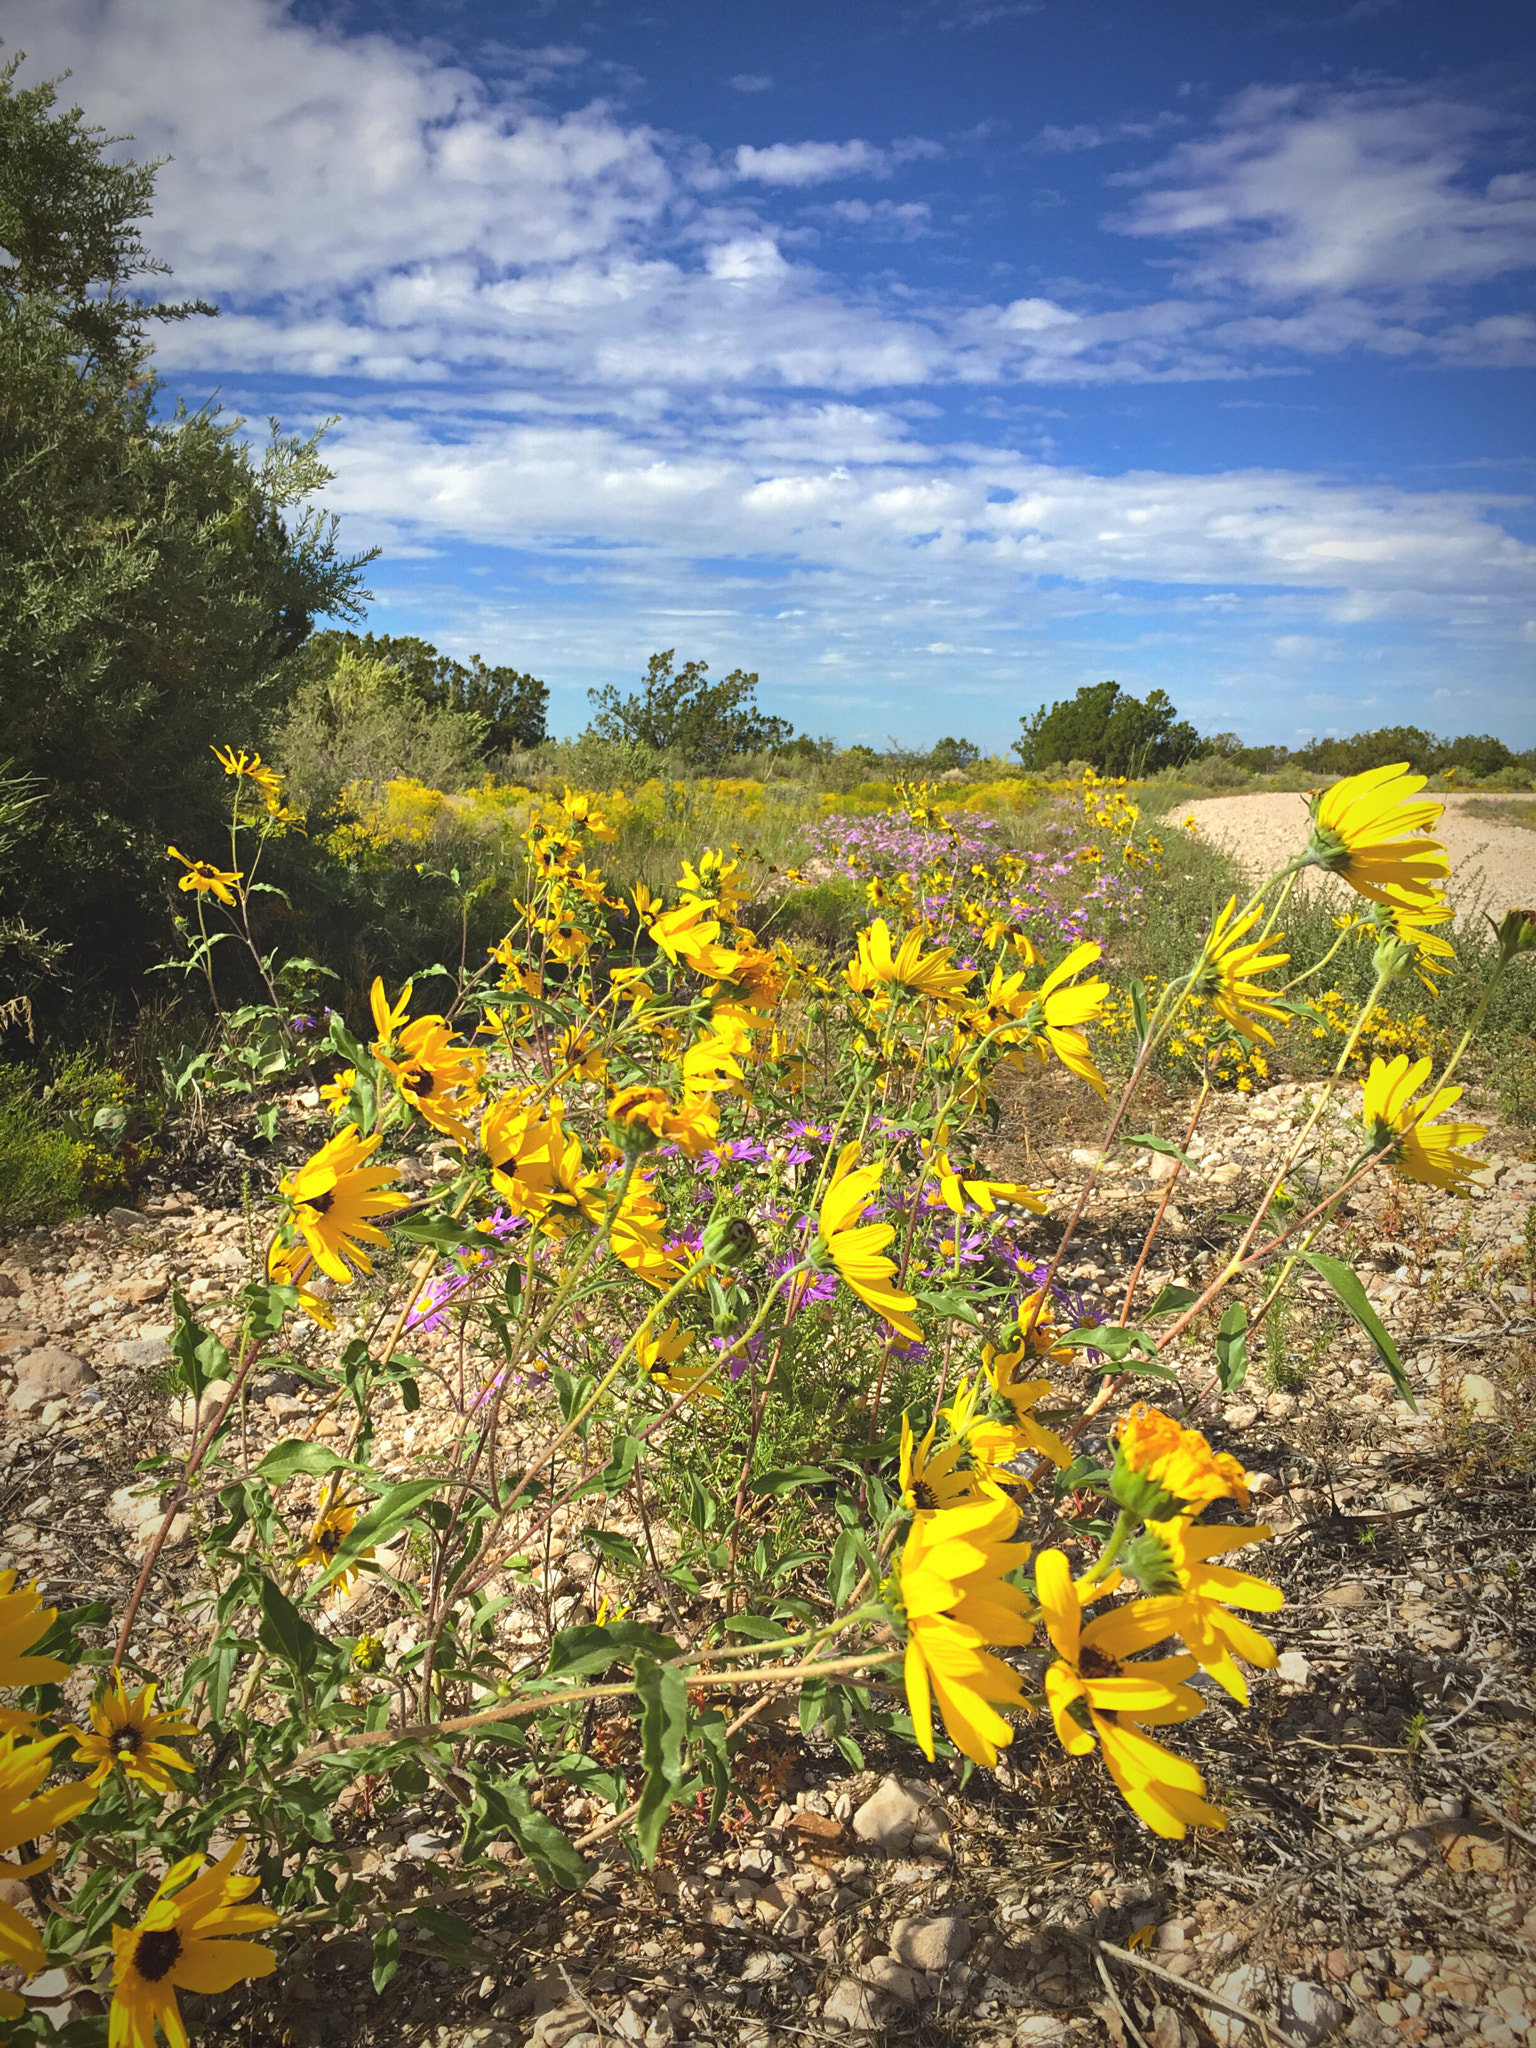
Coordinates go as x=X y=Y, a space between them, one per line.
x=359 y=721
x=39 y=1182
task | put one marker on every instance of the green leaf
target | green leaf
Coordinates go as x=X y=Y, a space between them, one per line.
x=1155 y=1144
x=663 y=1699
x=289 y=1459
x=1345 y=1282
x=1109 y=1338
x=785 y=1478
x=1139 y=1009
x=380 y=1523
x=757 y=1628
x=199 y=1356
x=284 y=1631
x=576 y=1652
x=626 y=1449
x=386 y=1954
x=956 y=1306
x=1172 y=1299
x=843 y=1569
x=616 y=1548
x=441 y=1232
x=1232 y=1348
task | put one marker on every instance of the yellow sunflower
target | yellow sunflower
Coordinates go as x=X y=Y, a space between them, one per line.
x=638 y=1118
x=1094 y=1691
x=437 y=1076
x=334 y=1194
x=1198 y=1613
x=658 y=1352
x=1059 y=1008
x=24 y=1621
x=334 y=1523
x=126 y=1733
x=932 y=1480
x=267 y=783
x=1225 y=973
x=1368 y=830
x=27 y=1814
x=952 y=1583
x=1417 y=1149
x=204 y=879
x=907 y=966
x=855 y=1248
x=688 y=936
x=183 y=1944
x=1158 y=1461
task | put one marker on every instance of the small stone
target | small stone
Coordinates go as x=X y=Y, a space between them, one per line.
x=9 y=1291
x=559 y=2026
x=931 y=1945
x=1280 y=1407
x=1039 y=2030
x=1292 y=1668
x=1241 y=1986
x=861 y=2008
x=1262 y=1485
x=143 y=1353
x=191 y=1416
x=890 y=1817
x=1315 y=2015
x=1348 y=1597
x=128 y=1509
x=1241 y=1415
x=888 y=1975
x=46 y=1375
x=137 y=1293
x=127 y=1219
x=1479 y=1398
x=820 y=1828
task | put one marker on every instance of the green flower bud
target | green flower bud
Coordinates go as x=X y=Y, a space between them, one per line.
x=1517 y=933
x=368 y=1653
x=1393 y=959
x=1140 y=1494
x=729 y=1242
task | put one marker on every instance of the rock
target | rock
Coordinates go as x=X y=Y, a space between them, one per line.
x=1241 y=1415
x=893 y=1978
x=1292 y=1668
x=1313 y=2014
x=931 y=1945
x=128 y=1510
x=1039 y=2030
x=1242 y=1985
x=17 y=1343
x=9 y=1291
x=485 y=2035
x=143 y=1353
x=274 y=1381
x=138 y=1293
x=1223 y=1176
x=1347 y=1598
x=127 y=1219
x=890 y=1817
x=560 y=2025
x=191 y=1416
x=819 y=1828
x=1480 y=1399
x=49 y=1374
x=861 y=2008
x=1280 y=1407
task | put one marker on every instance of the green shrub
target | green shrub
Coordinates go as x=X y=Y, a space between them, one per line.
x=39 y=1182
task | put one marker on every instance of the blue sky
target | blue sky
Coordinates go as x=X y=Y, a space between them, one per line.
x=929 y=357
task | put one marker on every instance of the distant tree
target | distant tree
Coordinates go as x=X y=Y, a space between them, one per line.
x=356 y=719
x=1117 y=733
x=156 y=577
x=683 y=713
x=1476 y=754
x=953 y=753
x=512 y=707
x=1376 y=749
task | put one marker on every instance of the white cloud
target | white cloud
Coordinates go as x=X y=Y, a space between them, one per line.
x=1302 y=193
x=751 y=81
x=810 y=163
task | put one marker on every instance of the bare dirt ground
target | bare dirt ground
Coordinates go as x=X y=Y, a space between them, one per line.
x=1493 y=866
x=1375 y=1883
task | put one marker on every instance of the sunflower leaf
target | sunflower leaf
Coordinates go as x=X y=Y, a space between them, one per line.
x=288 y=1460
x=1232 y=1348
x=380 y=1523
x=284 y=1631
x=1345 y=1282
x=663 y=1738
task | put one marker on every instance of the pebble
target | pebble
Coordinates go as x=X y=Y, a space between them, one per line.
x=893 y=1817
x=1348 y=1597
x=931 y=1945
x=48 y=1375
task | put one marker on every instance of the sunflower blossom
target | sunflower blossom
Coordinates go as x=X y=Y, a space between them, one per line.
x=1162 y=1469
x=1094 y=1691
x=126 y=1733
x=26 y=1814
x=953 y=1584
x=1198 y=1613
x=183 y=1944
x=950 y=1477
x=906 y=966
x=333 y=1196
x=1226 y=970
x=1057 y=1011
x=24 y=1621
x=1415 y=1147
x=855 y=1249
x=334 y=1523
x=658 y=1353
x=1369 y=831
x=204 y=879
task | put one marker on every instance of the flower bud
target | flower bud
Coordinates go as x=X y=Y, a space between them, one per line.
x=1393 y=958
x=1517 y=933
x=729 y=1242
x=637 y=1119
x=368 y=1653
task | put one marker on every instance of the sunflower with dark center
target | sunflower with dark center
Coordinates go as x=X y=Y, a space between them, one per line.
x=127 y=1734
x=183 y=1944
x=335 y=1194
x=333 y=1525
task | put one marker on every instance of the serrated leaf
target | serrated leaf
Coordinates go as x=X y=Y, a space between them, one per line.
x=1345 y=1282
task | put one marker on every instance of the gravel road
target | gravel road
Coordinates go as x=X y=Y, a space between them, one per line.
x=1493 y=866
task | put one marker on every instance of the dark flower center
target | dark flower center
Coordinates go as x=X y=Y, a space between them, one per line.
x=125 y=1742
x=155 y=1953
x=328 y=1542
x=1093 y=1663
x=923 y=1495
x=320 y=1203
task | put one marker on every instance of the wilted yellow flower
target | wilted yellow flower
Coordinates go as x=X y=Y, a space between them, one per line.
x=952 y=1583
